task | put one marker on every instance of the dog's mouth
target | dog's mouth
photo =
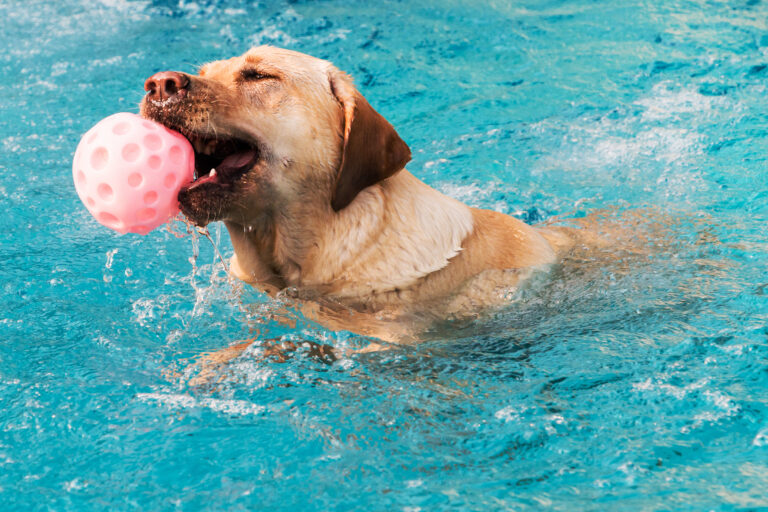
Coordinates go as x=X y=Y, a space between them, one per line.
x=221 y=161
x=224 y=161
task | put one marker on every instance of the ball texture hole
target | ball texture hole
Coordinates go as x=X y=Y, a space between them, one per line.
x=150 y=197
x=131 y=152
x=81 y=178
x=105 y=192
x=110 y=220
x=121 y=128
x=176 y=155
x=170 y=180
x=140 y=229
x=152 y=142
x=154 y=162
x=99 y=158
x=146 y=214
x=135 y=179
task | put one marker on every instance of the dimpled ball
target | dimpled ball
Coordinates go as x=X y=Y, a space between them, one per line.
x=128 y=172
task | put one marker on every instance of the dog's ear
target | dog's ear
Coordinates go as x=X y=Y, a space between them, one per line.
x=372 y=150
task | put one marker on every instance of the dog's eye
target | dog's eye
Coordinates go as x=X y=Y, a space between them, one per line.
x=254 y=75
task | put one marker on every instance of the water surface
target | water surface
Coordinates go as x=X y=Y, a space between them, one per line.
x=634 y=387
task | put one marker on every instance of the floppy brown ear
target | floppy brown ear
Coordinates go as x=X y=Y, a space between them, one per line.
x=372 y=150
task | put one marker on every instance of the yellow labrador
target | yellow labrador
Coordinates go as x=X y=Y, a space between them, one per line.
x=310 y=182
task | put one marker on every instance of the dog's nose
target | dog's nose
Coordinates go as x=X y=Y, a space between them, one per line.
x=166 y=84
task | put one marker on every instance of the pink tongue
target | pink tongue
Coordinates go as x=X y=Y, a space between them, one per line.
x=236 y=161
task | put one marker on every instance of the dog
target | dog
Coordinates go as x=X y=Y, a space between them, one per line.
x=310 y=182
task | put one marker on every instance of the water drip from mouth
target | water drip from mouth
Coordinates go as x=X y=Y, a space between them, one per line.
x=194 y=232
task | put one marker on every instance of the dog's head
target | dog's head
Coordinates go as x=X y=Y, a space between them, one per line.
x=270 y=128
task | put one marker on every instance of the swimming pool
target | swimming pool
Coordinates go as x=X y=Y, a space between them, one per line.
x=642 y=388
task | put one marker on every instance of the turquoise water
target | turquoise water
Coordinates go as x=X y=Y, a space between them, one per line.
x=636 y=387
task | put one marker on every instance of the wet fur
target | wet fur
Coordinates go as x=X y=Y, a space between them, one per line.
x=333 y=213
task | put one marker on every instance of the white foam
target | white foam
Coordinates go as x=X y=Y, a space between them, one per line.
x=143 y=310
x=333 y=36
x=180 y=401
x=651 y=146
x=471 y=194
x=761 y=439
x=675 y=391
x=666 y=102
x=507 y=414
x=272 y=35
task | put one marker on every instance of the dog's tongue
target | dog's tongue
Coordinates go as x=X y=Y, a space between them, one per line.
x=237 y=161
x=227 y=168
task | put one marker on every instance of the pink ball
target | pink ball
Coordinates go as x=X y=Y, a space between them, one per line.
x=128 y=172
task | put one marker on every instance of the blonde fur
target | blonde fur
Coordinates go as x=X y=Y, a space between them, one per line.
x=397 y=248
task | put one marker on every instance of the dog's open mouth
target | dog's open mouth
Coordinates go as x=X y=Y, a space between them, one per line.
x=221 y=161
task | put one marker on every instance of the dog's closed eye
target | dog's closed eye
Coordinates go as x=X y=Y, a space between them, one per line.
x=253 y=75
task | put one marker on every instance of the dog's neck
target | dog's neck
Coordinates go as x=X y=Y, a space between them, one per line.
x=390 y=236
